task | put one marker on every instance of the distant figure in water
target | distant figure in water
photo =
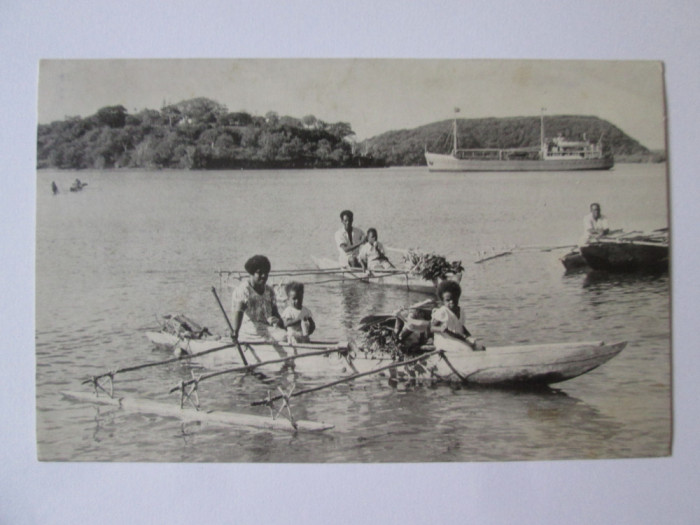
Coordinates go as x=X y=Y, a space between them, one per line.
x=54 y=188
x=78 y=185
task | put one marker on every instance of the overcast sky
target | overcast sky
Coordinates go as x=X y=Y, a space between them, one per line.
x=374 y=96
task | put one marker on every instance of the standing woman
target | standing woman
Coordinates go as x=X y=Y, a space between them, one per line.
x=254 y=305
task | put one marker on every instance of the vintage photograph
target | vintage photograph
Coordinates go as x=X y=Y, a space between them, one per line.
x=352 y=261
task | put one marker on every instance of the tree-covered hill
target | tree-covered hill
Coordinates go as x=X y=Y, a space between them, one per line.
x=406 y=147
x=195 y=134
x=202 y=134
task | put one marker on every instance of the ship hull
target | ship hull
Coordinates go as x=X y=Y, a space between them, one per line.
x=438 y=162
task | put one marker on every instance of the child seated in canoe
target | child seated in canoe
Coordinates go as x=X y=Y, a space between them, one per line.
x=296 y=317
x=447 y=323
x=372 y=255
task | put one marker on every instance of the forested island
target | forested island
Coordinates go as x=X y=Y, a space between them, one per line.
x=202 y=134
x=196 y=134
x=406 y=147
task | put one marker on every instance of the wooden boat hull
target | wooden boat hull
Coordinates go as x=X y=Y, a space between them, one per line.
x=401 y=280
x=539 y=364
x=531 y=364
x=439 y=162
x=573 y=261
x=626 y=256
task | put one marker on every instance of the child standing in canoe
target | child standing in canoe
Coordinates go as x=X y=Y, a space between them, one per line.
x=296 y=317
x=447 y=322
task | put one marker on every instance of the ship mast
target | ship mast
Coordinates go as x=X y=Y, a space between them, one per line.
x=454 y=133
x=542 y=110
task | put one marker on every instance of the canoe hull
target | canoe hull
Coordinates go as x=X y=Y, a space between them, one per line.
x=405 y=282
x=626 y=256
x=574 y=261
x=540 y=364
x=532 y=364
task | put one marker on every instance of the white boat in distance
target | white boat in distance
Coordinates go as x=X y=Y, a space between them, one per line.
x=557 y=154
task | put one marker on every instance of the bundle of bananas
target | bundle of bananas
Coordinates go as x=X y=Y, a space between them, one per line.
x=431 y=266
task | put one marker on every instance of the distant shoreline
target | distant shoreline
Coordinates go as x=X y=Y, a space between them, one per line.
x=627 y=159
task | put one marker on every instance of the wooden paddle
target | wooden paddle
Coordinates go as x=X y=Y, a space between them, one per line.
x=230 y=326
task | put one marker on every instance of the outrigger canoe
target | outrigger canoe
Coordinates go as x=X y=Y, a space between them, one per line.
x=626 y=255
x=397 y=278
x=534 y=364
x=622 y=252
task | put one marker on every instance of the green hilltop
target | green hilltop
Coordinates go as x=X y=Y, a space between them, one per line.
x=406 y=147
x=201 y=133
x=195 y=134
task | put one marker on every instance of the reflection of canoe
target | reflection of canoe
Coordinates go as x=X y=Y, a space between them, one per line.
x=538 y=364
x=393 y=278
x=627 y=255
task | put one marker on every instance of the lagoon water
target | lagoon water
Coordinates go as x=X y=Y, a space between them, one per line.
x=134 y=245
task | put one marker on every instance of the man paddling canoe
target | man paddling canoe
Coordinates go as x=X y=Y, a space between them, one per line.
x=348 y=239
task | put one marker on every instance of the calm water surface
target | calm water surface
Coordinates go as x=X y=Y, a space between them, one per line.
x=134 y=245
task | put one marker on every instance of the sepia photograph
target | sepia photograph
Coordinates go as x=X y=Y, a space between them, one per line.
x=352 y=261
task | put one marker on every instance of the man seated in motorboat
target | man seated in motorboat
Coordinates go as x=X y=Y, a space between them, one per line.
x=348 y=239
x=595 y=224
x=371 y=255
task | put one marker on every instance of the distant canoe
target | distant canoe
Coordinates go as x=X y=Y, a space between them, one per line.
x=392 y=278
x=78 y=186
x=643 y=253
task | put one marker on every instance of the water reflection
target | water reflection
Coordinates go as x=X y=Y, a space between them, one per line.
x=386 y=425
x=90 y=315
x=599 y=279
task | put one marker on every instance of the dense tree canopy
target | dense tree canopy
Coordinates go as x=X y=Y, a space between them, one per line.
x=202 y=134
x=195 y=134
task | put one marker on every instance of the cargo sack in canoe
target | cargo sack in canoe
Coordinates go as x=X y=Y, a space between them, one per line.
x=182 y=326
